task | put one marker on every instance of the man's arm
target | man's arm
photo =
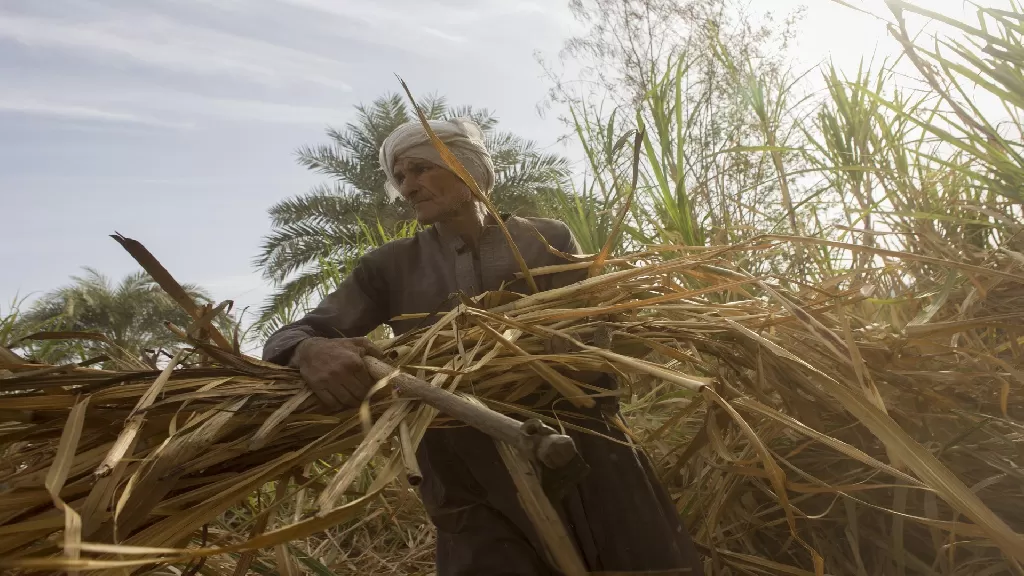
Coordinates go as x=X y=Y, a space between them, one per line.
x=357 y=306
x=566 y=243
x=328 y=344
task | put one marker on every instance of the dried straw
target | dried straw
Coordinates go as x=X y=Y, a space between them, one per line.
x=796 y=432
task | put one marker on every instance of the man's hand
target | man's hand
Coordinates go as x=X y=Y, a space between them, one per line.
x=333 y=368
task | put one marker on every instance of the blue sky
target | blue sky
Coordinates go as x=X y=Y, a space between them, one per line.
x=175 y=122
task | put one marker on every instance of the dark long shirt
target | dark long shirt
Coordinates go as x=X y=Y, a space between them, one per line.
x=420 y=275
x=621 y=517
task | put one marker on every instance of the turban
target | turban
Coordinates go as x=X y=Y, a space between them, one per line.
x=462 y=136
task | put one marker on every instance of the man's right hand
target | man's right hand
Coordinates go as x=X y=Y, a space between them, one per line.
x=333 y=368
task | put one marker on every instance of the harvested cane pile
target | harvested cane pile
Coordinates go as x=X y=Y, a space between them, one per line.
x=822 y=429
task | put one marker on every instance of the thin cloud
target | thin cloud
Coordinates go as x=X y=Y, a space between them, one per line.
x=413 y=15
x=163 y=108
x=72 y=111
x=443 y=35
x=402 y=27
x=163 y=43
x=241 y=109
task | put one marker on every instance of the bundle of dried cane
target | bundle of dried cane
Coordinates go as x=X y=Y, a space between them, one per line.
x=777 y=418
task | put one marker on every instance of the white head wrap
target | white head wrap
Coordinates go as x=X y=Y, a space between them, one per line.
x=462 y=136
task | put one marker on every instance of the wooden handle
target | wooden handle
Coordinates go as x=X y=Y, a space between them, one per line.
x=533 y=437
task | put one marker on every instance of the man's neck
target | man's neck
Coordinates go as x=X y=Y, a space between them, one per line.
x=467 y=222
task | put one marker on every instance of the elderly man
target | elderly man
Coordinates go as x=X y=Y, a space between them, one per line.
x=620 y=517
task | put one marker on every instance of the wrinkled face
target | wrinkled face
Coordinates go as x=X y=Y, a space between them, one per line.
x=433 y=191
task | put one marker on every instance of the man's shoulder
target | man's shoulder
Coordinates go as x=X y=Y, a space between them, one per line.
x=549 y=227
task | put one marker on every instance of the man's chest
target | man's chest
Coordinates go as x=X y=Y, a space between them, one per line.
x=430 y=280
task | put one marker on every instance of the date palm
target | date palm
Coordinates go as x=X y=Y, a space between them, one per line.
x=130 y=315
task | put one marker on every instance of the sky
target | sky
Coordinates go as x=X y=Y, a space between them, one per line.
x=175 y=122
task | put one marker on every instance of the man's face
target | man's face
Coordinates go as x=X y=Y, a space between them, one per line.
x=434 y=192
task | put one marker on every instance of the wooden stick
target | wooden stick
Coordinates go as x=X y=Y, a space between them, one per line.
x=532 y=437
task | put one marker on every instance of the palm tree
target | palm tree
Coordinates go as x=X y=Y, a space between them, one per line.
x=130 y=317
x=317 y=235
